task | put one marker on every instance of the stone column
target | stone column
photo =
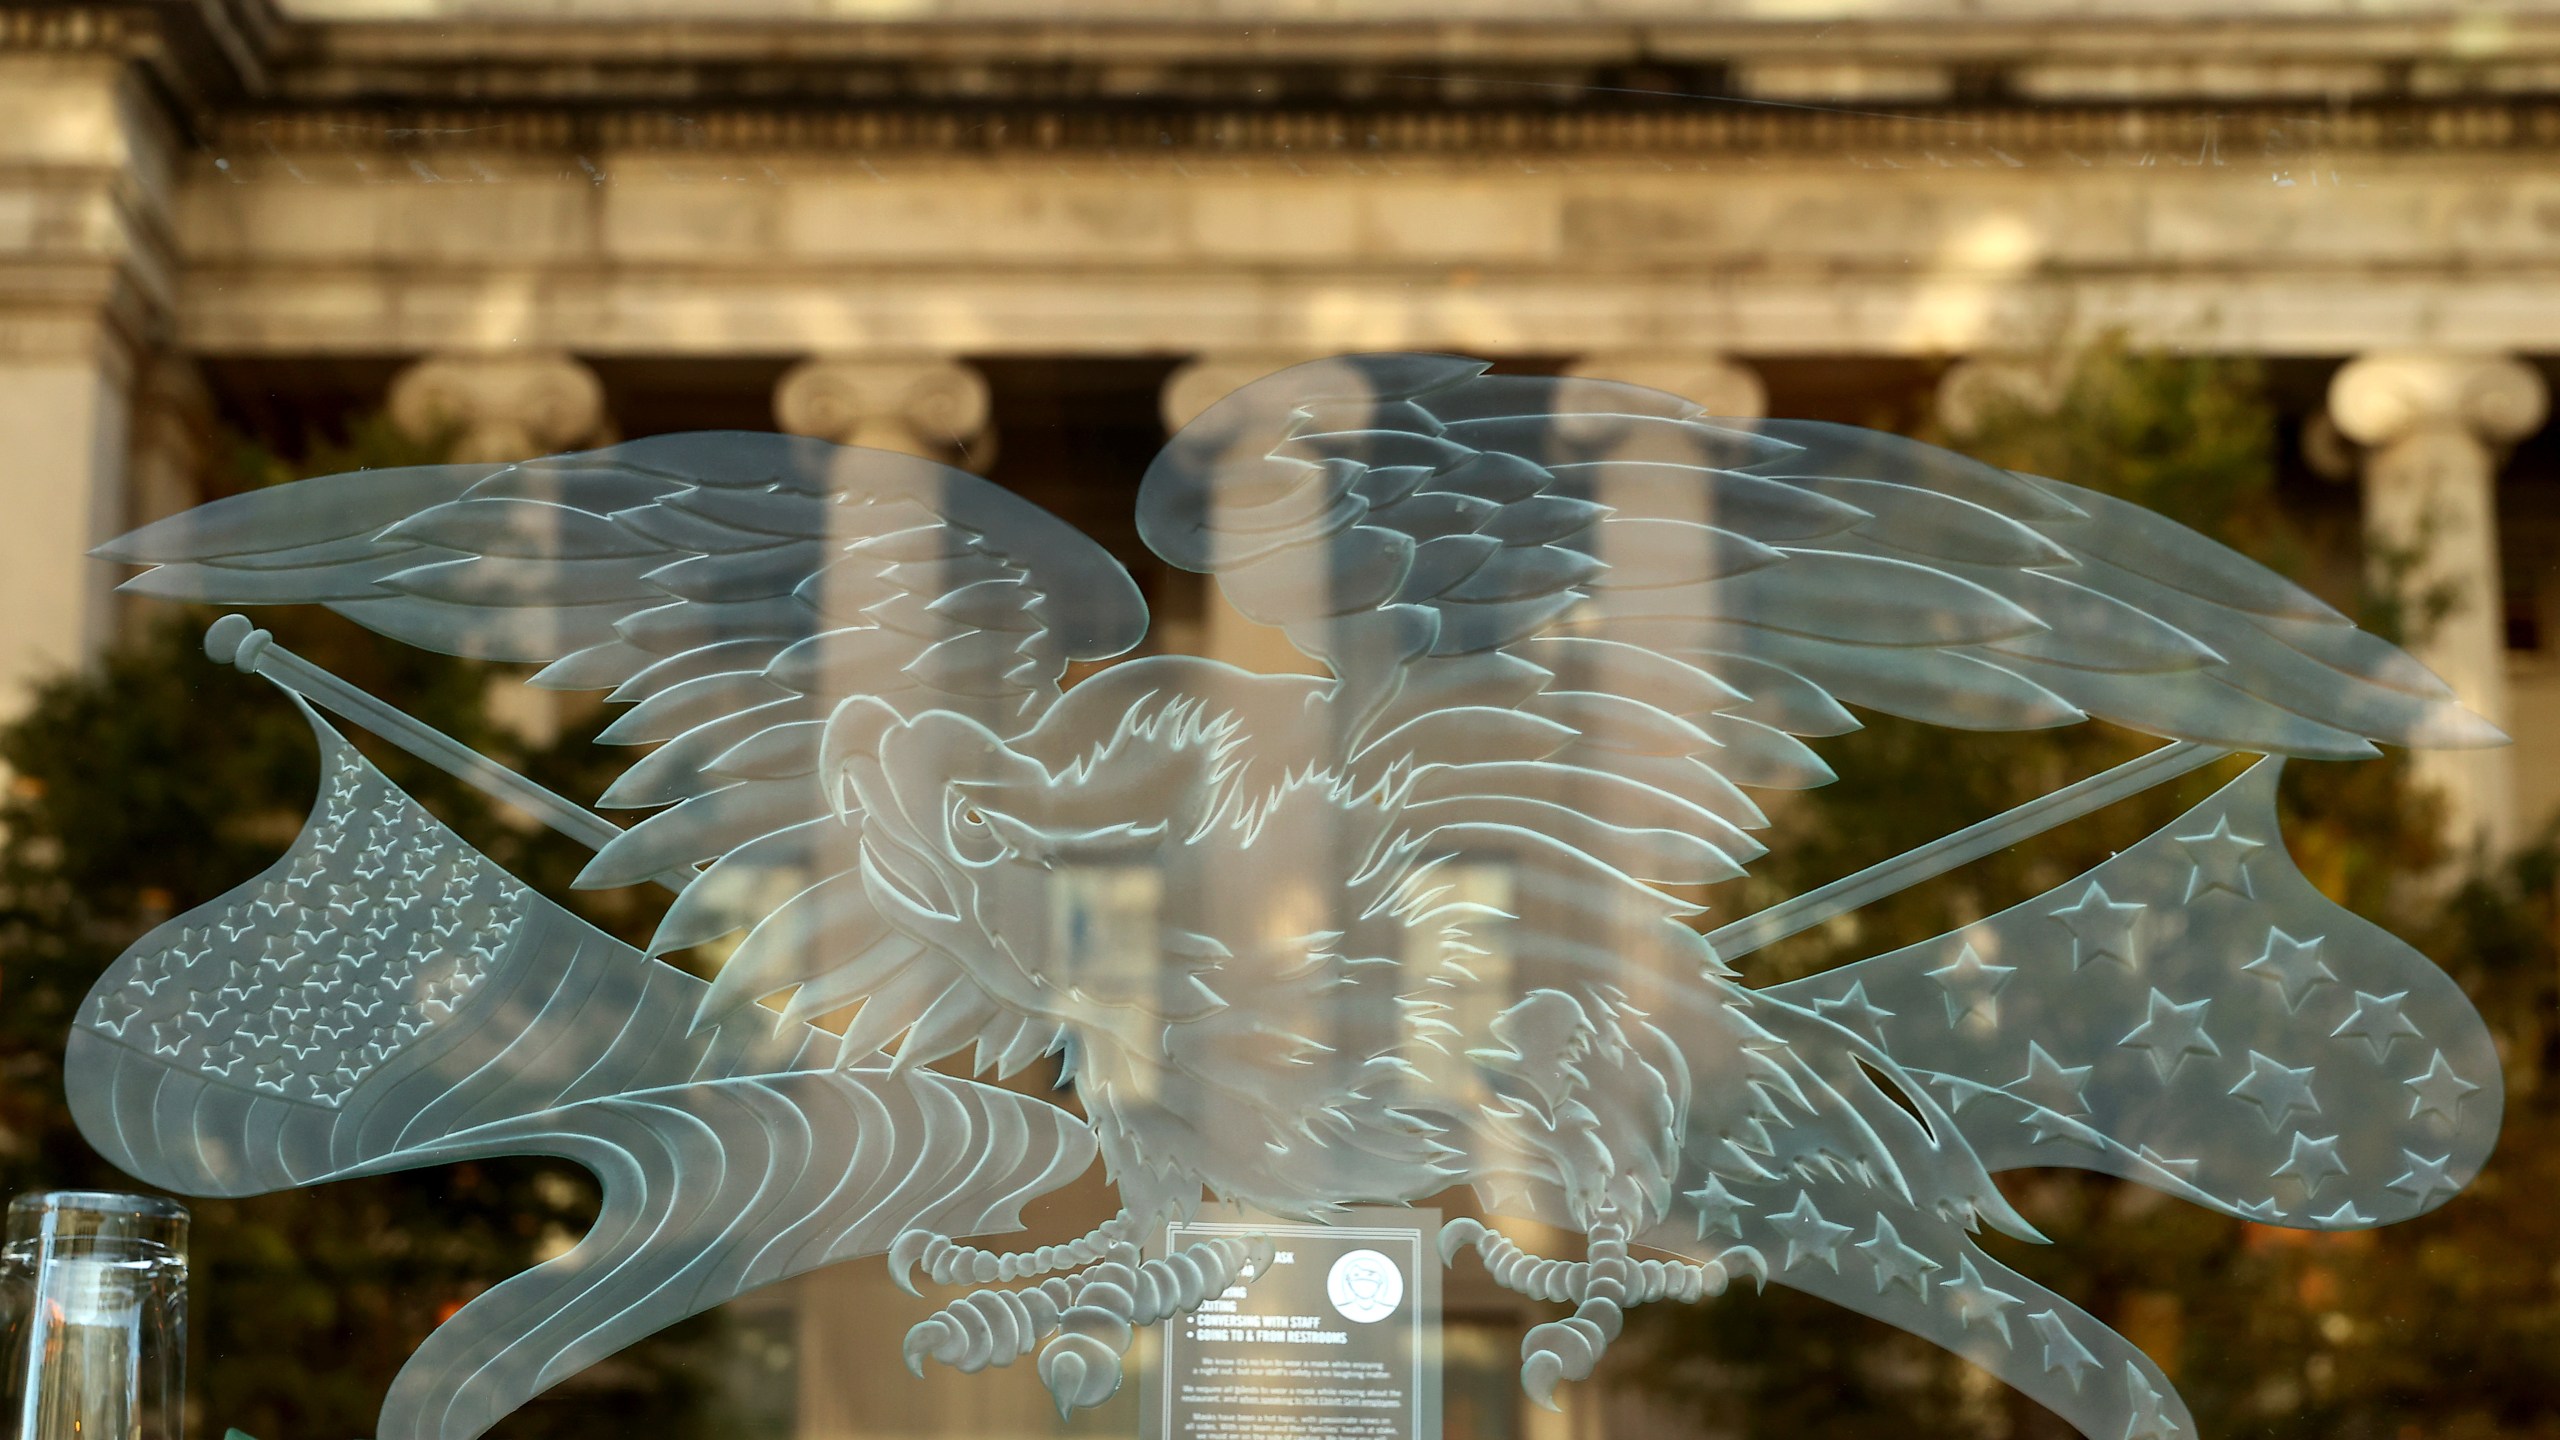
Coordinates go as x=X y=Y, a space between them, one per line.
x=928 y=405
x=501 y=406
x=85 y=279
x=1721 y=385
x=2434 y=425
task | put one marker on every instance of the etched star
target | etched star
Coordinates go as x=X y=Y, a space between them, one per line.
x=115 y=1011
x=1808 y=1235
x=1719 y=1213
x=490 y=941
x=1975 y=1301
x=2220 y=860
x=1896 y=1263
x=2063 y=1352
x=1973 y=987
x=220 y=1058
x=2051 y=1084
x=2377 y=1021
x=2294 y=965
x=315 y=932
x=2345 y=1217
x=2426 y=1178
x=2170 y=1032
x=204 y=1007
x=2101 y=929
x=327 y=1090
x=2438 y=1092
x=2313 y=1162
x=274 y=1074
x=168 y=1037
x=1852 y=1009
x=279 y=952
x=2277 y=1090
x=272 y=898
x=2147 y=1422
x=153 y=971
x=244 y=979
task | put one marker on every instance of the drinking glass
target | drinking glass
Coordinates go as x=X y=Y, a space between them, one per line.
x=93 y=1317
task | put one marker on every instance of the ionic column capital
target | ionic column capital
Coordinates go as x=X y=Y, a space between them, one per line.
x=1204 y=380
x=1717 y=383
x=502 y=406
x=928 y=405
x=1978 y=387
x=2392 y=395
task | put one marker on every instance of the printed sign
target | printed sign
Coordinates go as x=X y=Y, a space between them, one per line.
x=1339 y=1338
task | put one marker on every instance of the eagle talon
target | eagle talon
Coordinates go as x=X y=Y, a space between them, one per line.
x=904 y=1252
x=1539 y=1376
x=1457 y=1235
x=1743 y=1259
x=928 y=1335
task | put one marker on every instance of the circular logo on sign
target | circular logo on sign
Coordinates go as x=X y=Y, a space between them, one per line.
x=1365 y=1286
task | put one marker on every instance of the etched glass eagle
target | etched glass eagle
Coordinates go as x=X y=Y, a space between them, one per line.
x=1298 y=941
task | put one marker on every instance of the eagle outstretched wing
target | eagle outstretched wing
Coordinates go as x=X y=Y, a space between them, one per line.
x=732 y=588
x=1742 y=580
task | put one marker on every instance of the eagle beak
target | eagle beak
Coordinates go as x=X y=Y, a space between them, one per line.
x=854 y=733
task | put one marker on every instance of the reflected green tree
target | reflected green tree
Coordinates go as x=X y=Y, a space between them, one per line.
x=2445 y=1327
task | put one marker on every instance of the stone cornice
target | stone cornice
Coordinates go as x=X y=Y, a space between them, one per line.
x=203 y=53
x=214 y=54
x=1964 y=135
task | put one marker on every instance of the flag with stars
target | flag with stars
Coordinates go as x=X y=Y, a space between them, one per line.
x=2194 y=1015
x=384 y=997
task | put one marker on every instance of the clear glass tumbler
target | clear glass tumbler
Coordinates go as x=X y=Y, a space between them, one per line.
x=93 y=1317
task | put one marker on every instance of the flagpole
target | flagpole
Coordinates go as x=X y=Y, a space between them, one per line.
x=1925 y=862
x=233 y=640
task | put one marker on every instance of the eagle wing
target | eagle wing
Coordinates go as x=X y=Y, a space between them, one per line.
x=732 y=588
x=1597 y=610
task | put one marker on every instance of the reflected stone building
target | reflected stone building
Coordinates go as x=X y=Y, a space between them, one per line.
x=1025 y=238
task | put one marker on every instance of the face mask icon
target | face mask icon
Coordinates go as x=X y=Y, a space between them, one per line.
x=1365 y=1286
